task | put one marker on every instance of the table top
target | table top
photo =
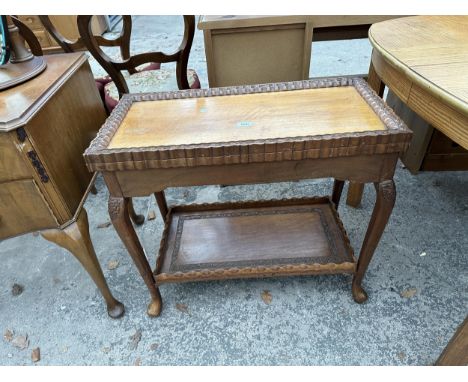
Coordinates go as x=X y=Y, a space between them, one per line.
x=20 y=103
x=430 y=50
x=241 y=124
x=195 y=121
x=317 y=21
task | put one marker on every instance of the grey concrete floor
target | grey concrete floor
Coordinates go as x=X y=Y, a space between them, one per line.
x=417 y=282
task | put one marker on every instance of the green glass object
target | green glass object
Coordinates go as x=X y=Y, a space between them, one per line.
x=4 y=40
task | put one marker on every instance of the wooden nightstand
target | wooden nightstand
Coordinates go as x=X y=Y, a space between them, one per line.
x=45 y=125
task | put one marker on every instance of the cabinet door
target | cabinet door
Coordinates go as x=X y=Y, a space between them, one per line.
x=12 y=164
x=23 y=209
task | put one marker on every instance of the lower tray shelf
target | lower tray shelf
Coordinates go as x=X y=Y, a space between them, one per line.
x=253 y=239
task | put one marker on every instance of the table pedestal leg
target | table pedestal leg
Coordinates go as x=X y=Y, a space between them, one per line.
x=386 y=194
x=75 y=238
x=119 y=214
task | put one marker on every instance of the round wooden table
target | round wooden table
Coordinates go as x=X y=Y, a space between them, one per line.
x=424 y=61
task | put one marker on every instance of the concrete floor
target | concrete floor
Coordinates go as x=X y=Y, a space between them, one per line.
x=417 y=282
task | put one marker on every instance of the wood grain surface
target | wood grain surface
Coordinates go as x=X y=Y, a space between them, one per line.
x=20 y=103
x=431 y=52
x=251 y=117
x=243 y=21
x=259 y=239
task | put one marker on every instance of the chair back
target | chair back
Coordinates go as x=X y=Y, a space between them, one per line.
x=69 y=46
x=130 y=63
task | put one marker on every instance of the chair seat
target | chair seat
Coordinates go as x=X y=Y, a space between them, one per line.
x=148 y=81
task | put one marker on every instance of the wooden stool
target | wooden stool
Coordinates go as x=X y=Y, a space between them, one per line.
x=250 y=134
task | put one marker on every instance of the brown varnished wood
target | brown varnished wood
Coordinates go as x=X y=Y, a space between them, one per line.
x=64 y=25
x=356 y=190
x=162 y=204
x=45 y=124
x=137 y=219
x=23 y=208
x=129 y=62
x=250 y=150
x=431 y=62
x=355 y=168
x=270 y=115
x=20 y=103
x=424 y=72
x=75 y=238
x=64 y=30
x=123 y=42
x=118 y=212
x=336 y=193
x=253 y=239
x=12 y=163
x=385 y=200
x=456 y=351
x=28 y=35
x=46 y=132
x=363 y=156
x=354 y=196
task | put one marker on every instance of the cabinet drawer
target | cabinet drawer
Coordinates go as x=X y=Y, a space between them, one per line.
x=32 y=22
x=12 y=164
x=23 y=209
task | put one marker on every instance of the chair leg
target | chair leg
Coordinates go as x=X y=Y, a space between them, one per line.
x=162 y=204
x=355 y=191
x=136 y=218
x=337 y=190
x=75 y=238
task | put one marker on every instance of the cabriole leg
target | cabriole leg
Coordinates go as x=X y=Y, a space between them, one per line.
x=75 y=238
x=118 y=212
x=385 y=201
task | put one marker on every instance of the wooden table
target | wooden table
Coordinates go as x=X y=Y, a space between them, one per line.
x=424 y=61
x=264 y=133
x=243 y=50
x=45 y=125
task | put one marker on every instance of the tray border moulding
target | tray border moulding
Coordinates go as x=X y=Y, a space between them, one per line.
x=339 y=258
x=394 y=137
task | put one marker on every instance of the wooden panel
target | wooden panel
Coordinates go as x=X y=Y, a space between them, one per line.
x=12 y=164
x=67 y=25
x=20 y=103
x=241 y=21
x=359 y=169
x=31 y=21
x=260 y=56
x=23 y=209
x=63 y=129
x=43 y=39
x=261 y=238
x=250 y=117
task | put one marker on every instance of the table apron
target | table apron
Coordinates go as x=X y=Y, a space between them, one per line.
x=429 y=106
x=363 y=169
